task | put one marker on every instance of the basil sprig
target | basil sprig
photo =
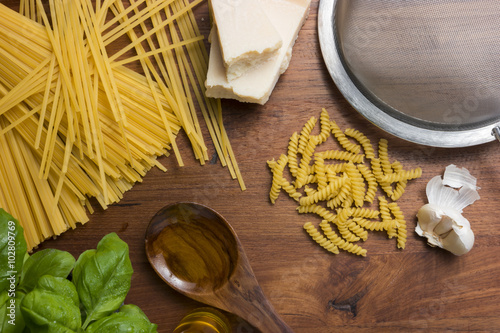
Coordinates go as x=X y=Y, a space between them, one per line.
x=37 y=296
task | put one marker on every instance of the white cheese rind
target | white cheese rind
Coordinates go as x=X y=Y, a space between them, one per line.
x=257 y=84
x=246 y=35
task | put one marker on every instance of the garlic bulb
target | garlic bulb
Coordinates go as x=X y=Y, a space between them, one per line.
x=441 y=220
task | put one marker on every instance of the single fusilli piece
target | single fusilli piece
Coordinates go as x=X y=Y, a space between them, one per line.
x=363 y=141
x=375 y=225
x=277 y=170
x=342 y=156
x=322 y=212
x=401 y=224
x=290 y=189
x=324 y=121
x=304 y=166
x=383 y=156
x=320 y=239
x=343 y=140
x=402 y=175
x=320 y=171
x=365 y=213
x=399 y=190
x=305 y=134
x=293 y=146
x=385 y=215
x=370 y=180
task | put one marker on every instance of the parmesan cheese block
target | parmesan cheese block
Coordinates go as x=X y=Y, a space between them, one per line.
x=246 y=35
x=258 y=82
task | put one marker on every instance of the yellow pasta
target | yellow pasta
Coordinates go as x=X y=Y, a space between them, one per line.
x=357 y=184
x=358 y=230
x=320 y=172
x=371 y=191
x=91 y=127
x=399 y=190
x=305 y=134
x=320 y=211
x=401 y=224
x=343 y=195
x=343 y=140
x=277 y=169
x=375 y=225
x=363 y=141
x=365 y=213
x=383 y=156
x=307 y=155
x=376 y=168
x=402 y=175
x=341 y=155
x=333 y=169
x=293 y=149
x=346 y=234
x=320 y=239
x=325 y=126
x=339 y=242
x=324 y=193
x=335 y=184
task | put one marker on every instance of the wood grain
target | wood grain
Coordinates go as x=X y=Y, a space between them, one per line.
x=418 y=289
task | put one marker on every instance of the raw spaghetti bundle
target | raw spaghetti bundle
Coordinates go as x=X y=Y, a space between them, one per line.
x=76 y=123
x=335 y=185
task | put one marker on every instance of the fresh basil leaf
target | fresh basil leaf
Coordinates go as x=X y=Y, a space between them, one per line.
x=11 y=319
x=102 y=278
x=52 y=306
x=12 y=250
x=129 y=318
x=46 y=262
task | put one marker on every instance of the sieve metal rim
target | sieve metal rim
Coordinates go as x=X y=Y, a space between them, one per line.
x=374 y=114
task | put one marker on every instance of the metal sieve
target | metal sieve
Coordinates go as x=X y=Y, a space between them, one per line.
x=427 y=71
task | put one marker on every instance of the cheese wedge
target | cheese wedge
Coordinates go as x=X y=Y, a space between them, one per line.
x=258 y=82
x=246 y=35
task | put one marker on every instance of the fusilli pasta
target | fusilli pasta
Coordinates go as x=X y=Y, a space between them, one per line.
x=335 y=184
x=363 y=141
x=320 y=239
x=305 y=134
x=343 y=140
x=293 y=147
x=341 y=243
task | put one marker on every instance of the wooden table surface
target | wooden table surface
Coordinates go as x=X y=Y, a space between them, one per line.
x=418 y=289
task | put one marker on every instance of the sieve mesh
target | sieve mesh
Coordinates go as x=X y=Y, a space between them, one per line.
x=433 y=63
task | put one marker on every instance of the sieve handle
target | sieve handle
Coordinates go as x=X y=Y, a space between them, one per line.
x=496 y=132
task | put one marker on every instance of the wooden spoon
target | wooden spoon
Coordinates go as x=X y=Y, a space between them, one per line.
x=196 y=252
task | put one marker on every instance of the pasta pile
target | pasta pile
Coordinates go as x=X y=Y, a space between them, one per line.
x=76 y=123
x=335 y=184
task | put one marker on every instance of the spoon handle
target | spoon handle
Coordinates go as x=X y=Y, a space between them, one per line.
x=247 y=300
x=265 y=318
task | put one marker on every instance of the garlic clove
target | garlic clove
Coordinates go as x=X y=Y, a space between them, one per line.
x=459 y=241
x=446 y=228
x=428 y=217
